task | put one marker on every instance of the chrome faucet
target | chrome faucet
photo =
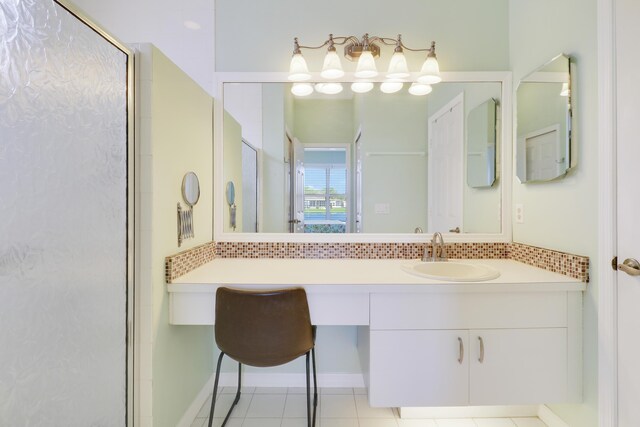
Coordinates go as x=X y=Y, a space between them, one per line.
x=438 y=251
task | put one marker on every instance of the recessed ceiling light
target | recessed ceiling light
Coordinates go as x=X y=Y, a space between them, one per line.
x=192 y=25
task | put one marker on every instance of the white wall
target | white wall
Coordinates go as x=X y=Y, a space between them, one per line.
x=563 y=215
x=175 y=119
x=162 y=22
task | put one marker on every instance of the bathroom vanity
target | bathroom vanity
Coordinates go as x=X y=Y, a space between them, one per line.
x=515 y=339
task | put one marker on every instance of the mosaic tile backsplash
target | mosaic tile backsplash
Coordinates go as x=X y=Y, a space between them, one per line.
x=575 y=266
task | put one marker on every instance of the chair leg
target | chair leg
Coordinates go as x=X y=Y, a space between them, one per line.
x=215 y=390
x=308 y=393
x=315 y=386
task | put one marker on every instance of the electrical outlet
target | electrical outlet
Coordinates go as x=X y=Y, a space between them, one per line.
x=520 y=213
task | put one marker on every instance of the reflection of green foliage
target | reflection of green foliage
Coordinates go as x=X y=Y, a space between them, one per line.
x=325 y=228
x=311 y=190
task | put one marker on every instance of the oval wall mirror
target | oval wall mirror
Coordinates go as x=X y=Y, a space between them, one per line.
x=190 y=188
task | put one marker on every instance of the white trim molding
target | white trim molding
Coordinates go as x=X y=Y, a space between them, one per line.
x=607 y=305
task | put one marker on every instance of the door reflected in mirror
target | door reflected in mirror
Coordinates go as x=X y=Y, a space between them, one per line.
x=544 y=119
x=365 y=163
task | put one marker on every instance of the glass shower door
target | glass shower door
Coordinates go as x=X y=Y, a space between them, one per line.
x=65 y=255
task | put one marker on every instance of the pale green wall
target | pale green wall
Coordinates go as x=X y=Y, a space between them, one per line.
x=274 y=144
x=481 y=206
x=232 y=148
x=258 y=36
x=327 y=121
x=563 y=215
x=393 y=123
x=176 y=137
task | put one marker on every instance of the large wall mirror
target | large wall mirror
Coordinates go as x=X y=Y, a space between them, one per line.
x=363 y=164
x=544 y=122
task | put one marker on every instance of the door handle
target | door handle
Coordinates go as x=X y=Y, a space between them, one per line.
x=481 y=357
x=460 y=350
x=455 y=230
x=630 y=266
x=294 y=221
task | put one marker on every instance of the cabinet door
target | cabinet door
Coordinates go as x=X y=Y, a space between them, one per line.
x=519 y=366
x=419 y=368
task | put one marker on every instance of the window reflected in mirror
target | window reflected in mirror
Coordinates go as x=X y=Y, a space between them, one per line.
x=365 y=162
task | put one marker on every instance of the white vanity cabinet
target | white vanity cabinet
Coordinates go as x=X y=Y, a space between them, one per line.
x=455 y=349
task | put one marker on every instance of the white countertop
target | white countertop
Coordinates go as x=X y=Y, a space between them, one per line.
x=348 y=275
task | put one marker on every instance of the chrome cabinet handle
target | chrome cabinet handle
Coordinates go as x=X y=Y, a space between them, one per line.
x=630 y=266
x=460 y=351
x=481 y=358
x=455 y=230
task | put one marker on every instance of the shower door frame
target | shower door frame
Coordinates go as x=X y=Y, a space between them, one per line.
x=132 y=362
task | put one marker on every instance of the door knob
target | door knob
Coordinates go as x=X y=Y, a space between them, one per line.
x=630 y=266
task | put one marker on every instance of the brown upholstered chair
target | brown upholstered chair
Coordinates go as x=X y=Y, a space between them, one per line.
x=264 y=328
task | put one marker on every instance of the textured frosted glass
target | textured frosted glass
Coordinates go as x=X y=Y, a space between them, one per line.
x=63 y=159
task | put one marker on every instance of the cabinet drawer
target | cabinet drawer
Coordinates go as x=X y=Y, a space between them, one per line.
x=469 y=310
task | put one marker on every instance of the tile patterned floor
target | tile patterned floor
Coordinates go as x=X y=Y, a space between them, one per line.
x=337 y=407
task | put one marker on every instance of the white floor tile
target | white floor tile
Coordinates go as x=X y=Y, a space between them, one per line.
x=494 y=422
x=300 y=390
x=267 y=406
x=296 y=406
x=224 y=401
x=233 y=390
x=366 y=411
x=528 y=422
x=417 y=423
x=204 y=411
x=455 y=422
x=360 y=390
x=377 y=422
x=297 y=422
x=339 y=422
x=336 y=390
x=199 y=422
x=270 y=390
x=338 y=406
x=233 y=422
x=262 y=422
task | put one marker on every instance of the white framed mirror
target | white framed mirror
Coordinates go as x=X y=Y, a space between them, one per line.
x=365 y=158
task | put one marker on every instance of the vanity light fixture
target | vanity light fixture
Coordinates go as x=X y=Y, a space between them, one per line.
x=364 y=51
x=302 y=89
x=420 y=89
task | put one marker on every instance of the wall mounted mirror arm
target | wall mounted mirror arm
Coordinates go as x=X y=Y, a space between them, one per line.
x=353 y=205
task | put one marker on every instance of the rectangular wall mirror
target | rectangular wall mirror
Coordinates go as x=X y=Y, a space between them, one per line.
x=544 y=122
x=362 y=163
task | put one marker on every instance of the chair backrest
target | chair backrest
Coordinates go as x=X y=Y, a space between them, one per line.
x=263 y=328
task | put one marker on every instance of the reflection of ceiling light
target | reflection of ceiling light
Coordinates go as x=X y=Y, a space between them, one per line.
x=361 y=87
x=192 y=25
x=565 y=89
x=302 y=89
x=391 y=87
x=420 y=89
x=330 y=88
x=364 y=51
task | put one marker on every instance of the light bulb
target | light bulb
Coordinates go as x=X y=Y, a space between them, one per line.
x=420 y=89
x=366 y=68
x=430 y=72
x=330 y=88
x=398 y=68
x=391 y=87
x=298 y=70
x=332 y=68
x=361 y=87
x=302 y=89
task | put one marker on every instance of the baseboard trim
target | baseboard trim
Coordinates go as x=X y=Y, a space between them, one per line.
x=254 y=379
x=470 y=412
x=549 y=417
x=192 y=411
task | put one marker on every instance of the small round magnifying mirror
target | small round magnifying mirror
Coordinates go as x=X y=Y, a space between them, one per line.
x=231 y=193
x=190 y=188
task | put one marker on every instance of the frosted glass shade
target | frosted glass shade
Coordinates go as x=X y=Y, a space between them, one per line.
x=420 y=89
x=332 y=68
x=298 y=70
x=391 y=87
x=564 y=91
x=430 y=72
x=301 y=89
x=330 y=88
x=361 y=87
x=366 y=68
x=398 y=68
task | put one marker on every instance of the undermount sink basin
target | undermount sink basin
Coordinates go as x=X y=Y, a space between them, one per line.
x=452 y=271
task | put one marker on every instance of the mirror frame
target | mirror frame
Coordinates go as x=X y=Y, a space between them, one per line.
x=504 y=172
